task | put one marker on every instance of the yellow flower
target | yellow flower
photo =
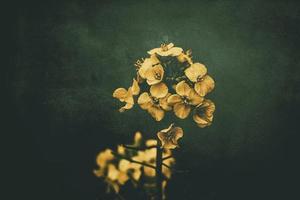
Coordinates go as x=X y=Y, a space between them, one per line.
x=204 y=85
x=150 y=158
x=112 y=177
x=154 y=74
x=129 y=167
x=151 y=142
x=103 y=157
x=121 y=150
x=127 y=95
x=166 y=50
x=185 y=57
x=147 y=64
x=169 y=137
x=137 y=139
x=102 y=160
x=204 y=113
x=184 y=99
x=195 y=71
x=155 y=102
x=170 y=161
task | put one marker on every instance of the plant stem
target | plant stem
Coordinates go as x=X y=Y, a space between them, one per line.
x=134 y=161
x=158 y=171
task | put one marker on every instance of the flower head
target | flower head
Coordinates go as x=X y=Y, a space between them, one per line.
x=204 y=113
x=204 y=85
x=170 y=136
x=166 y=50
x=154 y=74
x=155 y=102
x=104 y=157
x=195 y=71
x=184 y=99
x=127 y=95
x=146 y=64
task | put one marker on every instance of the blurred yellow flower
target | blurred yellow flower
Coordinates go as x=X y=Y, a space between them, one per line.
x=155 y=102
x=170 y=136
x=102 y=161
x=103 y=157
x=151 y=142
x=195 y=72
x=204 y=113
x=127 y=95
x=204 y=85
x=166 y=50
x=184 y=99
x=121 y=150
x=133 y=169
x=112 y=177
x=137 y=138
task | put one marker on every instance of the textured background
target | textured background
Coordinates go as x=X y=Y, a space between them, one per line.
x=71 y=56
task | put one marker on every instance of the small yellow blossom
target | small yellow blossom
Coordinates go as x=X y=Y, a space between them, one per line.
x=166 y=50
x=127 y=95
x=169 y=137
x=151 y=142
x=195 y=72
x=121 y=150
x=204 y=85
x=103 y=157
x=147 y=64
x=137 y=138
x=204 y=113
x=154 y=74
x=155 y=102
x=184 y=99
x=131 y=168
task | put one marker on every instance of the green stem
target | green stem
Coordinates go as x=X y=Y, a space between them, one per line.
x=158 y=170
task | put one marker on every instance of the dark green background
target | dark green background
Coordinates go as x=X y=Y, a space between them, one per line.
x=71 y=56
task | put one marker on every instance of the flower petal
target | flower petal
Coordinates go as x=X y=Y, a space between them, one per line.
x=151 y=142
x=182 y=110
x=159 y=90
x=137 y=138
x=156 y=112
x=194 y=98
x=174 y=99
x=120 y=93
x=147 y=64
x=126 y=107
x=145 y=101
x=195 y=71
x=153 y=51
x=135 y=88
x=183 y=89
x=178 y=133
x=202 y=122
x=205 y=86
x=175 y=51
x=154 y=75
x=163 y=103
x=170 y=45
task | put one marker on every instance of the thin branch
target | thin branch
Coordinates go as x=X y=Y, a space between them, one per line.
x=138 y=149
x=167 y=157
x=174 y=170
x=134 y=161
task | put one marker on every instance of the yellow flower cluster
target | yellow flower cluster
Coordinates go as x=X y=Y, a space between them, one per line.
x=127 y=165
x=180 y=86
